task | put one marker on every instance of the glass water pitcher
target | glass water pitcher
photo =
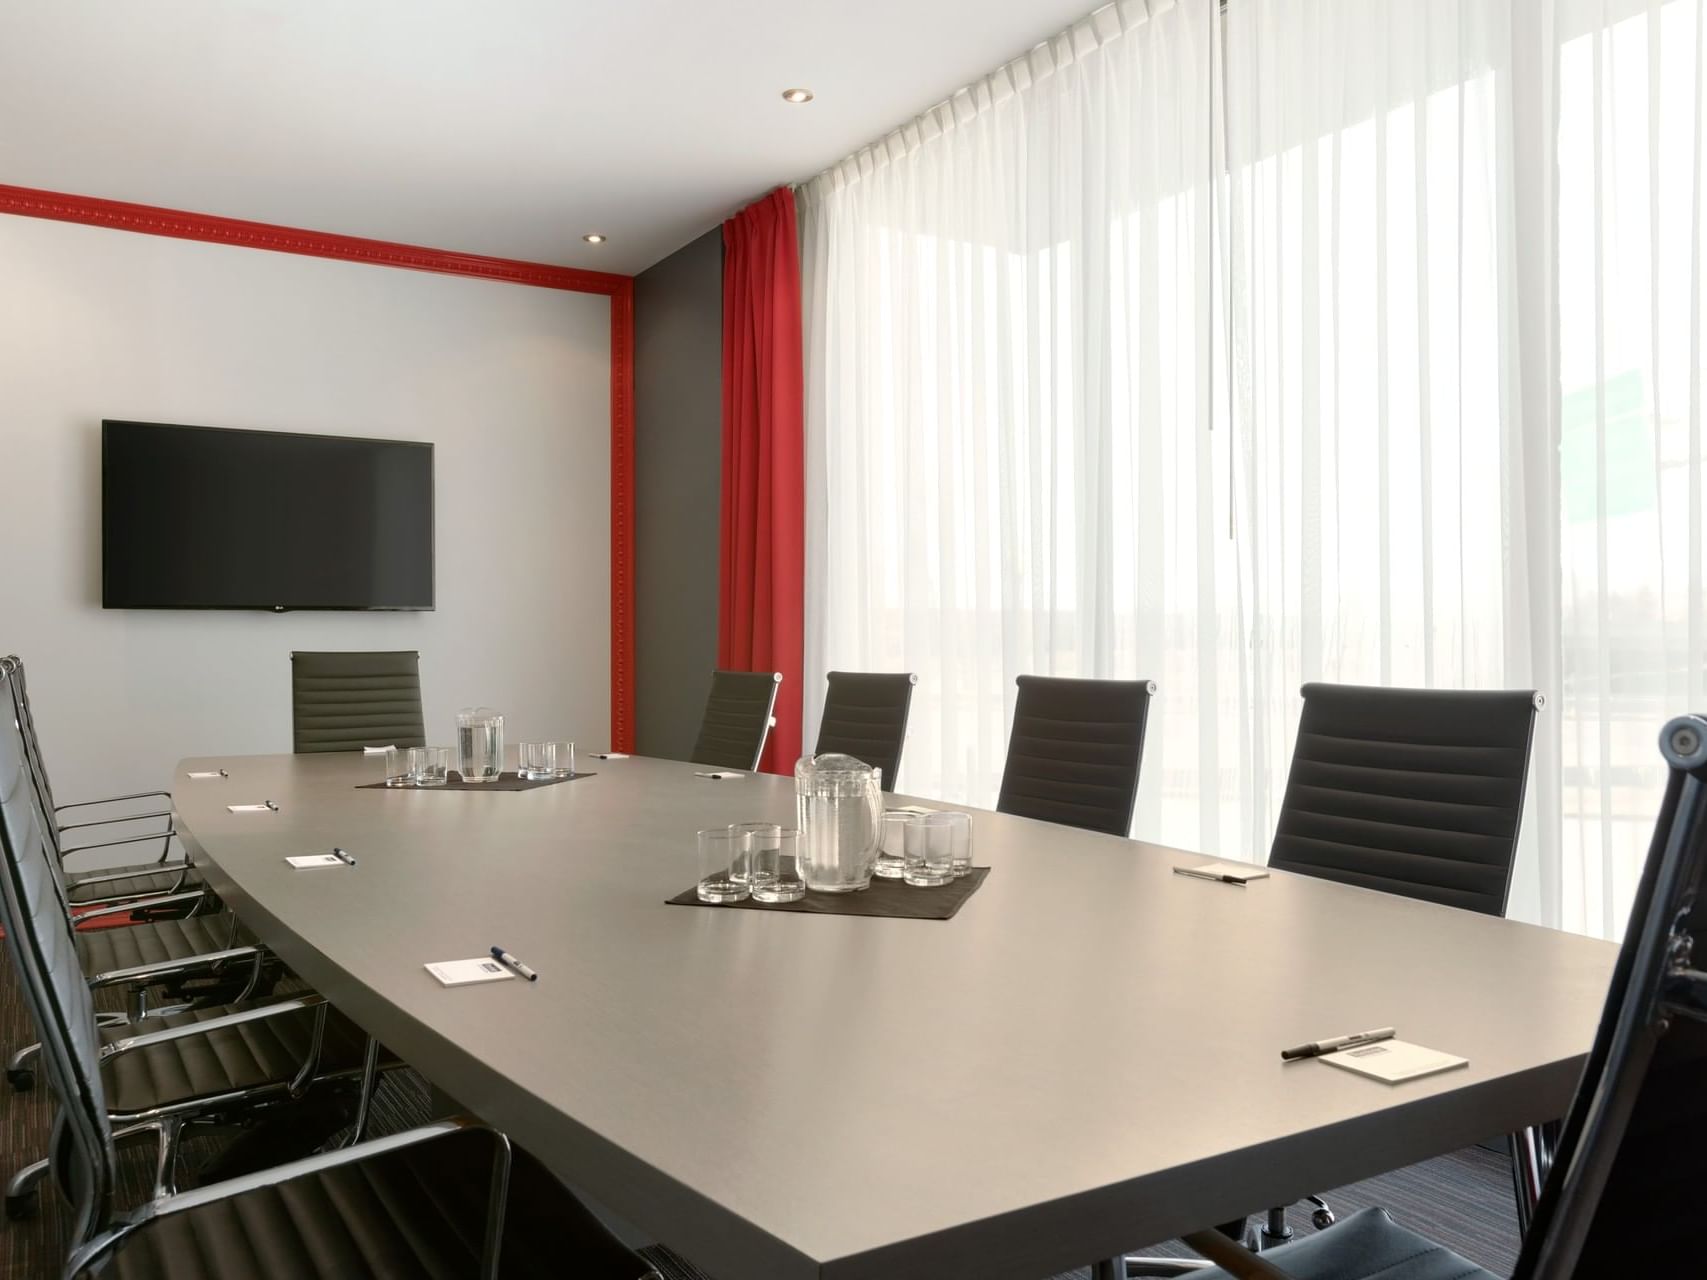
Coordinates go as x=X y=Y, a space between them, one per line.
x=840 y=809
x=479 y=744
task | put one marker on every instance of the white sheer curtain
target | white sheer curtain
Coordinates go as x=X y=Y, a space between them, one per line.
x=1239 y=352
x=1630 y=152
x=1009 y=461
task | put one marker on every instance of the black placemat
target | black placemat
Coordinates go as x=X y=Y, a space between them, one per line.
x=893 y=898
x=505 y=782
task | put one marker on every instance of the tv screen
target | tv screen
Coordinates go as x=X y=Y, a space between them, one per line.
x=205 y=518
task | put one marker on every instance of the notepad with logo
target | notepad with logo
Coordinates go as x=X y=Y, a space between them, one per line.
x=458 y=973
x=1395 y=1060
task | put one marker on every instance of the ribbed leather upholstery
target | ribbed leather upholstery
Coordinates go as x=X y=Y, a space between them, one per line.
x=1074 y=753
x=250 y=1056
x=103 y=950
x=865 y=716
x=414 y=1215
x=1412 y=791
x=347 y=701
x=1365 y=1246
x=737 y=719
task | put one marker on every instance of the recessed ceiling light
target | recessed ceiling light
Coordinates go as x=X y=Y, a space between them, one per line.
x=797 y=95
x=593 y=237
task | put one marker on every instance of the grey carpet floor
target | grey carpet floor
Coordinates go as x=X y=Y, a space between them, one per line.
x=1462 y=1200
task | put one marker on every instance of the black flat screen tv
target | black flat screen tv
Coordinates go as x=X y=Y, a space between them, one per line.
x=208 y=518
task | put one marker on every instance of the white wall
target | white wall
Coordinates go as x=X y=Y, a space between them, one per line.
x=511 y=383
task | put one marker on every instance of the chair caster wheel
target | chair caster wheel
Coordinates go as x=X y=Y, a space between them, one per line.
x=1322 y=1219
x=22 y=1079
x=23 y=1206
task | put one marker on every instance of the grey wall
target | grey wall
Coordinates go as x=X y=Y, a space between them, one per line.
x=678 y=366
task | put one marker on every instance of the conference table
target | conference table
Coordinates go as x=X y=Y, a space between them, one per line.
x=1085 y=1059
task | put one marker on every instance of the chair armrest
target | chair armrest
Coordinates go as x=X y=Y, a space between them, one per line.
x=140 y=795
x=165 y=969
x=209 y=1025
x=1233 y=1258
x=108 y=844
x=128 y=817
x=96 y=1250
x=139 y=901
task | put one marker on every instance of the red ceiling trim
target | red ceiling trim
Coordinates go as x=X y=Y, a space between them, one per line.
x=120 y=215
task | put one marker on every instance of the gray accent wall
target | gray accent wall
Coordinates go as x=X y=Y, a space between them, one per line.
x=678 y=461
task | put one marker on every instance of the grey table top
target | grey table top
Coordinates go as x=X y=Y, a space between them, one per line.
x=1084 y=1060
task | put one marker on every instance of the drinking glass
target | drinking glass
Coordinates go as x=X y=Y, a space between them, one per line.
x=930 y=851
x=960 y=841
x=892 y=846
x=723 y=854
x=758 y=835
x=533 y=759
x=429 y=766
x=397 y=767
x=776 y=866
x=562 y=759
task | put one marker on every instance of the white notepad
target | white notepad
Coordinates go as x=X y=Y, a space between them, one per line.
x=1394 y=1060
x=249 y=808
x=718 y=774
x=1240 y=871
x=303 y=861
x=459 y=973
x=376 y=751
x=608 y=755
x=209 y=773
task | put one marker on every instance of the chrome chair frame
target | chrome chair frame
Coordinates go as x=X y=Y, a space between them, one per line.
x=764 y=729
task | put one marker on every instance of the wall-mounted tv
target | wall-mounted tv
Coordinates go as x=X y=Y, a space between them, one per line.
x=207 y=518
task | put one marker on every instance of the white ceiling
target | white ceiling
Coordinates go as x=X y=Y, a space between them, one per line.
x=505 y=127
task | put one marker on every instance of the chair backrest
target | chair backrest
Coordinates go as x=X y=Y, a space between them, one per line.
x=20 y=703
x=44 y=956
x=737 y=719
x=1629 y=1177
x=1074 y=753
x=1413 y=791
x=865 y=716
x=347 y=701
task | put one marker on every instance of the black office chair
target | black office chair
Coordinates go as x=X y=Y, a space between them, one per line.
x=738 y=719
x=1075 y=750
x=865 y=716
x=108 y=885
x=347 y=701
x=1628 y=1184
x=1413 y=791
x=1417 y=792
x=390 y=1206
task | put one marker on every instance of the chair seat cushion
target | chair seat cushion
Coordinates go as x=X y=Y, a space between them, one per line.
x=104 y=950
x=253 y=1055
x=416 y=1213
x=1366 y=1246
x=147 y=877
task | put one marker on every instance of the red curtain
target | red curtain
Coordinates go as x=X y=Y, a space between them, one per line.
x=762 y=618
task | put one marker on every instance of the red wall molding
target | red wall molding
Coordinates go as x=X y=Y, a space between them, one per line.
x=120 y=215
